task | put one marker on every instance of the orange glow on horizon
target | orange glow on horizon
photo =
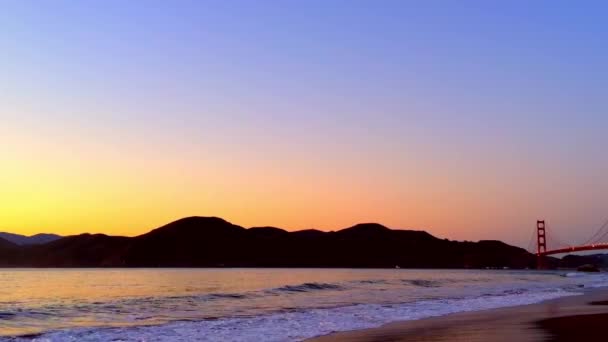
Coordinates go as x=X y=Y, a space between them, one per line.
x=129 y=192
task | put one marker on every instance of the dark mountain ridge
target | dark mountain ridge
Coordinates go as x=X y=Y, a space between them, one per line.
x=23 y=240
x=572 y=261
x=214 y=242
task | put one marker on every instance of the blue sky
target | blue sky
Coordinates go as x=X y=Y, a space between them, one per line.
x=433 y=109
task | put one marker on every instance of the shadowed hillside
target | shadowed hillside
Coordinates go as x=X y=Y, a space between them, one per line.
x=213 y=242
x=23 y=240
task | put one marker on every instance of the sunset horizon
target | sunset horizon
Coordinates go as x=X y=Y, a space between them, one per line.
x=303 y=171
x=118 y=119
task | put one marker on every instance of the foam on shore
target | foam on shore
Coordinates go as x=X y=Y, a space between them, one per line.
x=299 y=325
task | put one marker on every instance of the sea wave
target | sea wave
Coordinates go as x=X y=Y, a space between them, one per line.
x=307 y=287
x=422 y=282
x=282 y=311
x=296 y=325
x=370 y=281
x=574 y=274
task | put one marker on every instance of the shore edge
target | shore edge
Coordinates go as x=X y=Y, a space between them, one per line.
x=552 y=320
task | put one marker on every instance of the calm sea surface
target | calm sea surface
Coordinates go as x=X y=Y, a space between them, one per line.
x=252 y=304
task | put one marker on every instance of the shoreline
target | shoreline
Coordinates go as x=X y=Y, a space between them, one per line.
x=280 y=309
x=558 y=319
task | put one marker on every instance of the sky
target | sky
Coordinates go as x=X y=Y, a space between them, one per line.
x=468 y=119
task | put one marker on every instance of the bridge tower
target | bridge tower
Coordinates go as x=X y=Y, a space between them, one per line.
x=541 y=243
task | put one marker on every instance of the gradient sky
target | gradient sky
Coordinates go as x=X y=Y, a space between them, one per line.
x=469 y=119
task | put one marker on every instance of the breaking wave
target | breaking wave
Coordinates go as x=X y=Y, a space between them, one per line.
x=422 y=282
x=307 y=287
x=270 y=308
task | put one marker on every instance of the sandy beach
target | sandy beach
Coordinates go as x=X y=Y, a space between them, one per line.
x=571 y=318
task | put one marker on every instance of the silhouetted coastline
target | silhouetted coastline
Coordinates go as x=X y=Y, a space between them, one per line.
x=214 y=242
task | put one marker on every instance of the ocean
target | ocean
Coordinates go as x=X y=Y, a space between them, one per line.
x=253 y=304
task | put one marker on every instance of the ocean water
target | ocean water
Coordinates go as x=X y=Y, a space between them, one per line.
x=252 y=304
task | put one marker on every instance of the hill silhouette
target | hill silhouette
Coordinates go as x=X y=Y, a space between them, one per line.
x=29 y=240
x=214 y=242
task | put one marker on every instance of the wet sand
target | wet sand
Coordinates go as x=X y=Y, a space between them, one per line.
x=575 y=318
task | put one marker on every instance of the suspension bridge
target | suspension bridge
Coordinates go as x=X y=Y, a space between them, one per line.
x=544 y=239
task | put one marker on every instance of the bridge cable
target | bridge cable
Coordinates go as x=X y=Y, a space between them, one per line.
x=597 y=237
x=600 y=232
x=531 y=242
x=602 y=238
x=553 y=237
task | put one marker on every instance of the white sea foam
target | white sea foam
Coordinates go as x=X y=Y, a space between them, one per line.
x=299 y=325
x=257 y=304
x=590 y=280
x=574 y=274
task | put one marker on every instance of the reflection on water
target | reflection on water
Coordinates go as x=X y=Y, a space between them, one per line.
x=35 y=300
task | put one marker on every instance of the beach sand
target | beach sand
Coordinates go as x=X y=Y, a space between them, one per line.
x=574 y=318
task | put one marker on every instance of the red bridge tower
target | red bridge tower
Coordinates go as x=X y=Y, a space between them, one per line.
x=541 y=242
